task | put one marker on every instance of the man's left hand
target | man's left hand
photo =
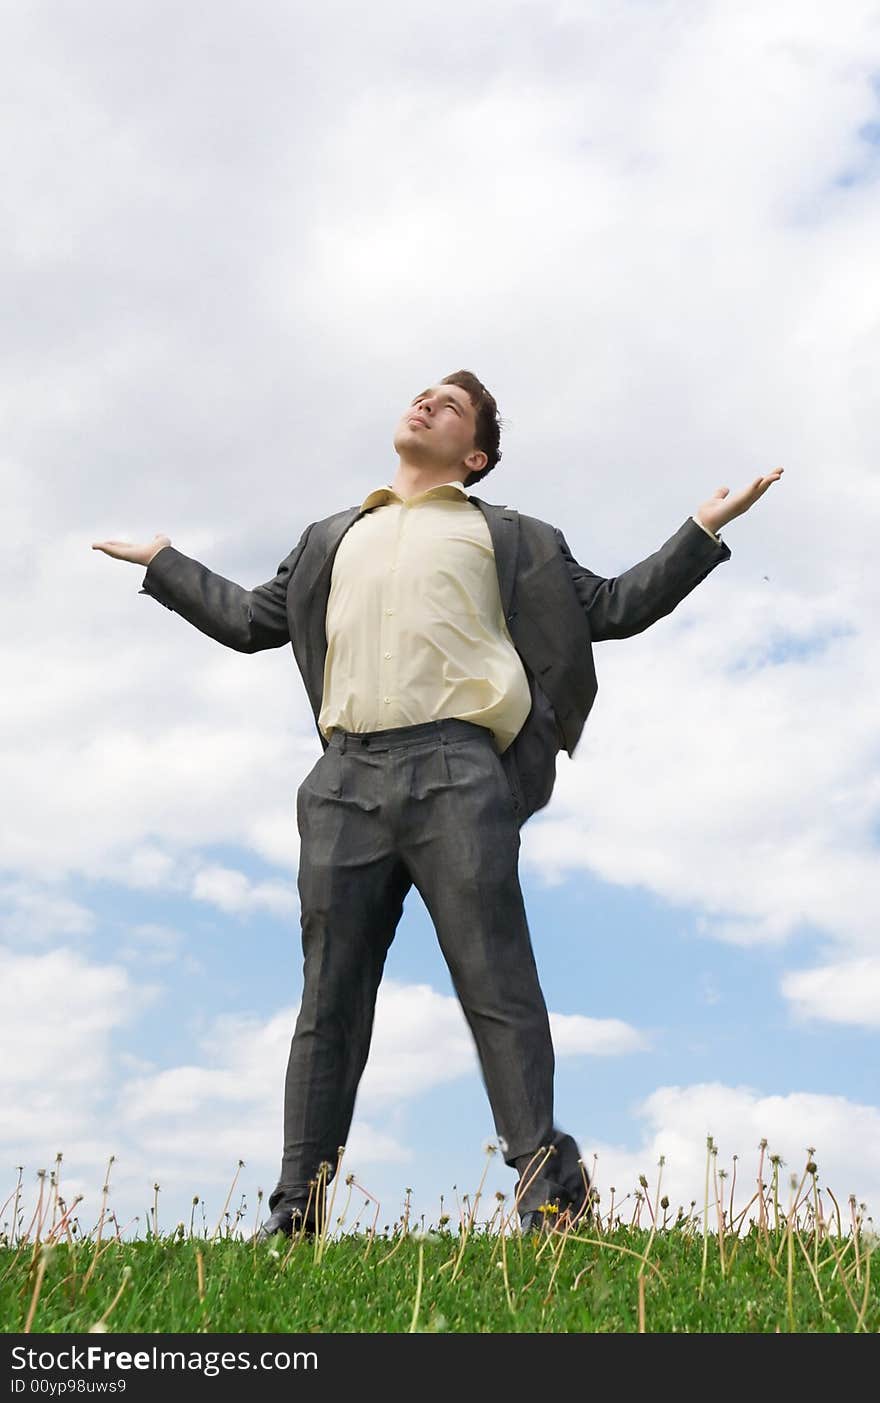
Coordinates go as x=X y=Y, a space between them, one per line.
x=722 y=508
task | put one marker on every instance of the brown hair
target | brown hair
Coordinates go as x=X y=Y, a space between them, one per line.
x=487 y=434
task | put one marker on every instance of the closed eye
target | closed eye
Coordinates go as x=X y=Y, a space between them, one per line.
x=450 y=404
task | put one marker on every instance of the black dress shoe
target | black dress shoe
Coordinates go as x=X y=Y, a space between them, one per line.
x=285 y=1221
x=538 y=1222
x=531 y=1222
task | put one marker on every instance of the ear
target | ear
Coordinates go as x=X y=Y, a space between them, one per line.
x=476 y=461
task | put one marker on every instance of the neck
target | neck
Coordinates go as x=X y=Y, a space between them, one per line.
x=412 y=478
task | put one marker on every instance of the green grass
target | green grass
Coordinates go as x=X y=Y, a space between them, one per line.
x=578 y=1281
x=806 y=1267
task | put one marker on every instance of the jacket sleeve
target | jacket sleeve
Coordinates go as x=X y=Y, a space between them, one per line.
x=629 y=603
x=247 y=620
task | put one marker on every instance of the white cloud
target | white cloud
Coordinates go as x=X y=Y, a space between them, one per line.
x=846 y=992
x=155 y=944
x=145 y=867
x=420 y=1040
x=678 y=1119
x=33 y=913
x=236 y=894
x=574 y=1034
x=59 y=1012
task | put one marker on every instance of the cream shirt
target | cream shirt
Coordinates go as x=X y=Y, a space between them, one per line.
x=415 y=627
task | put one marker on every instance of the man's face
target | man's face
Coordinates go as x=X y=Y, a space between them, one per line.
x=437 y=429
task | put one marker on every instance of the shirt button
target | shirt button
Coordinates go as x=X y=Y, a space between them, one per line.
x=389 y=611
x=388 y=655
x=387 y=699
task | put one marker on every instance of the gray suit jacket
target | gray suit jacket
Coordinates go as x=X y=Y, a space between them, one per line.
x=555 y=610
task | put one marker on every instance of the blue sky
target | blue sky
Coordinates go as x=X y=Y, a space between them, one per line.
x=650 y=230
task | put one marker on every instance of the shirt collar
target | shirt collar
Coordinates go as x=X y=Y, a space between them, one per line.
x=382 y=495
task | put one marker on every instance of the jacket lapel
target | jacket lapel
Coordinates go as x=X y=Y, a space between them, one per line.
x=503 y=523
x=307 y=604
x=315 y=568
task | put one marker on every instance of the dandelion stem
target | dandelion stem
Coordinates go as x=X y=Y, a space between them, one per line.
x=418 y=1300
x=228 y=1197
x=855 y=1229
x=41 y=1272
x=706 y=1219
x=126 y=1273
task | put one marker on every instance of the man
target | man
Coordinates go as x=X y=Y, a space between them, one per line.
x=445 y=645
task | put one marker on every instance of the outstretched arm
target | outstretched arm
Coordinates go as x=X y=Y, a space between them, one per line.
x=631 y=602
x=247 y=620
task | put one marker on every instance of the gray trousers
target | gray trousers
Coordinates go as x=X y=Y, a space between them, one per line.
x=426 y=805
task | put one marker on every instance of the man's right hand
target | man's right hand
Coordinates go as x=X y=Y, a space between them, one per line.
x=138 y=555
